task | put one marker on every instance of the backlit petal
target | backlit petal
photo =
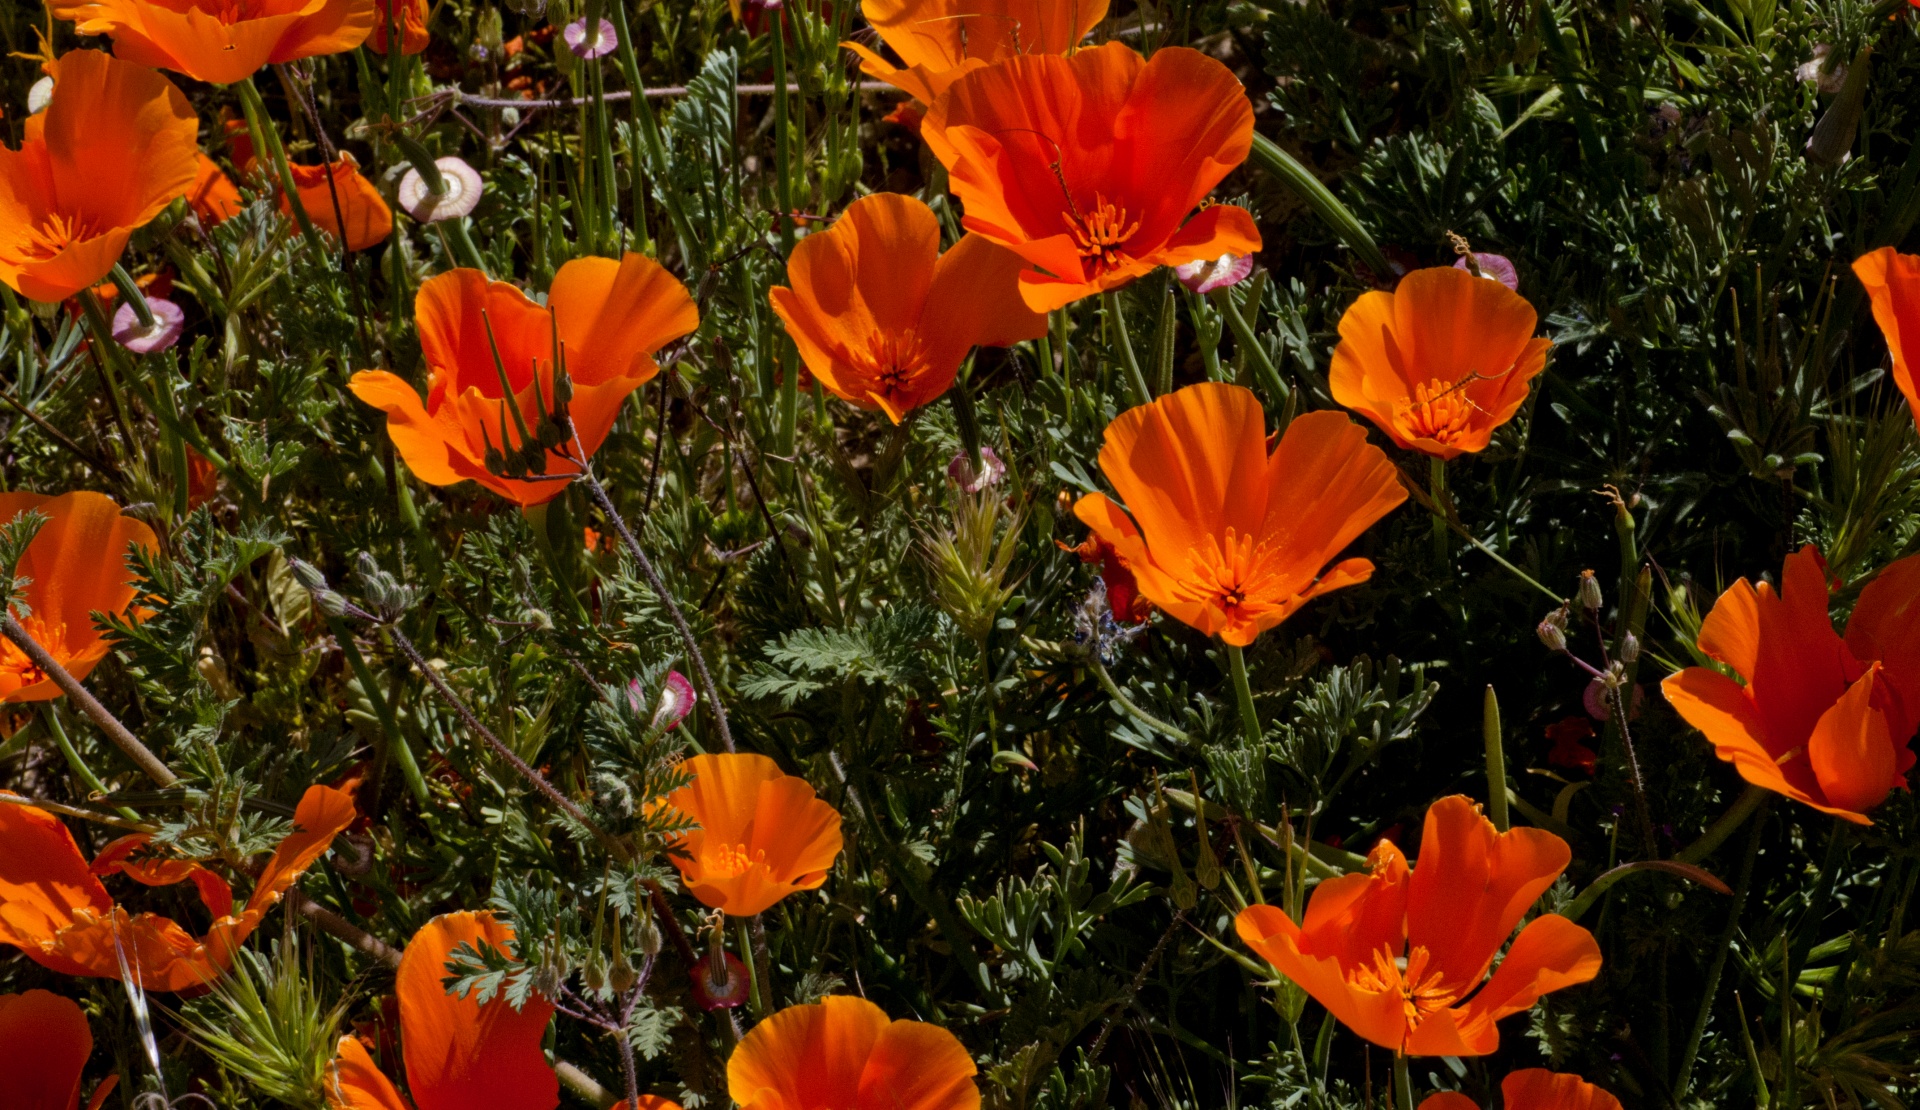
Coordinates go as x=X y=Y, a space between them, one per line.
x=459 y=1053
x=917 y=1066
x=1377 y=1016
x=44 y=1044
x=355 y=1082
x=807 y=1056
x=1472 y=886
x=1540 y=1089
x=1851 y=752
x=1892 y=282
x=614 y=315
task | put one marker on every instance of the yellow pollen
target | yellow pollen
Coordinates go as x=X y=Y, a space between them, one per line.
x=1101 y=234
x=14 y=662
x=1237 y=577
x=730 y=861
x=1421 y=992
x=1439 y=411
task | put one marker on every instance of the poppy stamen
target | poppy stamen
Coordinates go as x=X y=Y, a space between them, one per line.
x=1438 y=410
x=1233 y=576
x=894 y=361
x=730 y=861
x=56 y=232
x=14 y=663
x=1421 y=992
x=1100 y=234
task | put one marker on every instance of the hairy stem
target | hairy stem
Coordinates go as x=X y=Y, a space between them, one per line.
x=126 y=741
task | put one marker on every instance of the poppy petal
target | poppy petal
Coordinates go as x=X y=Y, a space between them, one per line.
x=1885 y=627
x=614 y=315
x=806 y=1056
x=1220 y=229
x=1448 y=1100
x=1189 y=466
x=1378 y=1016
x=1851 y=752
x=1892 y=282
x=1551 y=953
x=1472 y=886
x=355 y=1082
x=421 y=440
x=459 y=1053
x=43 y=879
x=1721 y=710
x=44 y=1044
x=1540 y=1089
x=917 y=1066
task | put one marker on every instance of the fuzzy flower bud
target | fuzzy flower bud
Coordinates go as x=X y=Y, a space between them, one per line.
x=1553 y=630
x=1589 y=592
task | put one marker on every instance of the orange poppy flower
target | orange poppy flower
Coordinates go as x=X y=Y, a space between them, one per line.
x=1440 y=362
x=1821 y=720
x=1225 y=535
x=213 y=195
x=44 y=1044
x=54 y=908
x=64 y=218
x=842 y=1053
x=612 y=316
x=1533 y=1089
x=762 y=835
x=1893 y=285
x=410 y=20
x=883 y=319
x=220 y=41
x=1399 y=954
x=459 y=1053
x=1089 y=166
x=363 y=211
x=939 y=41
x=77 y=564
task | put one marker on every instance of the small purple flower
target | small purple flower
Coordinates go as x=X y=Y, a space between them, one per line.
x=462 y=196
x=1493 y=266
x=602 y=43
x=992 y=470
x=168 y=322
x=676 y=701
x=1207 y=274
x=1594 y=699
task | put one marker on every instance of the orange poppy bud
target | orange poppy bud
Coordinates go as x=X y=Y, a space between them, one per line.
x=213 y=195
x=763 y=834
x=459 y=1053
x=1440 y=362
x=409 y=18
x=883 y=319
x=77 y=565
x=219 y=41
x=1400 y=954
x=842 y=1053
x=612 y=316
x=44 y=1044
x=1824 y=721
x=1089 y=166
x=1533 y=1089
x=54 y=908
x=1893 y=285
x=939 y=41
x=360 y=208
x=1223 y=534
x=64 y=219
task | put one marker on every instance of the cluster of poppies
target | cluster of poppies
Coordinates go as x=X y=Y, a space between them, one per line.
x=1079 y=169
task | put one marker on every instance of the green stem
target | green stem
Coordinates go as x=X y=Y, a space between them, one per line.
x=462 y=246
x=110 y=353
x=1269 y=156
x=1254 y=350
x=1249 y=716
x=51 y=716
x=1717 y=833
x=266 y=141
x=1437 y=489
x=1496 y=760
x=782 y=152
x=189 y=266
x=130 y=292
x=1722 y=946
x=397 y=746
x=1125 y=703
x=1402 y=1083
x=1136 y=379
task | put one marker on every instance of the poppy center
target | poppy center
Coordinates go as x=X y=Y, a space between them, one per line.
x=1421 y=991
x=1100 y=233
x=1439 y=411
x=17 y=671
x=891 y=362
x=56 y=232
x=730 y=861
x=1233 y=576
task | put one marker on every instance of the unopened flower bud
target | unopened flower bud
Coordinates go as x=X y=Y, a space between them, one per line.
x=1553 y=630
x=1630 y=648
x=622 y=976
x=1589 y=592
